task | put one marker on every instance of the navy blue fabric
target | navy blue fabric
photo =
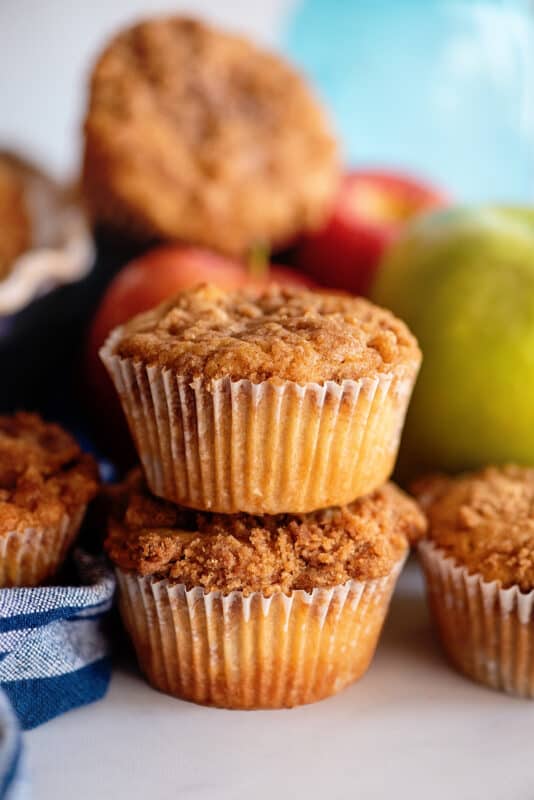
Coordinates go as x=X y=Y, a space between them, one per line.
x=41 y=699
x=54 y=656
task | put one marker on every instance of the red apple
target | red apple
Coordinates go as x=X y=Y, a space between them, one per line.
x=368 y=215
x=142 y=284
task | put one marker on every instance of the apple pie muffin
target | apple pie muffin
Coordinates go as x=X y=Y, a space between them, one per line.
x=46 y=483
x=479 y=566
x=243 y=611
x=265 y=402
x=196 y=135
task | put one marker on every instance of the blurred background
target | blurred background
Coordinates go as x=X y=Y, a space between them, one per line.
x=455 y=78
x=433 y=105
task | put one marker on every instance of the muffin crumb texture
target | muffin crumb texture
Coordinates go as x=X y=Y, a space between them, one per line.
x=485 y=522
x=196 y=135
x=267 y=554
x=279 y=334
x=43 y=473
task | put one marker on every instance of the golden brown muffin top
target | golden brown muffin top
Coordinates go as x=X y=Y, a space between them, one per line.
x=43 y=473
x=15 y=226
x=267 y=554
x=195 y=134
x=485 y=521
x=284 y=334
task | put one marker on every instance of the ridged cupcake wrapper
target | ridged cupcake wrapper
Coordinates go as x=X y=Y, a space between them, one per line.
x=487 y=631
x=32 y=556
x=262 y=448
x=253 y=652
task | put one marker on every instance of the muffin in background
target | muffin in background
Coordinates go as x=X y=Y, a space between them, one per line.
x=15 y=226
x=257 y=612
x=266 y=402
x=44 y=235
x=196 y=135
x=46 y=483
x=479 y=566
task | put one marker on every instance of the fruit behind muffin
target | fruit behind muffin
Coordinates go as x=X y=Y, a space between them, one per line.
x=242 y=611
x=46 y=483
x=265 y=402
x=194 y=134
x=479 y=566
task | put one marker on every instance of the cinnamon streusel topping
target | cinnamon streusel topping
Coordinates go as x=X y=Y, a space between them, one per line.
x=43 y=473
x=283 y=334
x=361 y=541
x=197 y=135
x=485 y=521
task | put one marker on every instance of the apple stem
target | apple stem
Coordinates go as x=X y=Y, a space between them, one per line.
x=258 y=261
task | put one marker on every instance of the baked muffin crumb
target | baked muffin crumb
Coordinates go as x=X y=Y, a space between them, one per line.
x=194 y=134
x=267 y=554
x=43 y=473
x=484 y=521
x=277 y=334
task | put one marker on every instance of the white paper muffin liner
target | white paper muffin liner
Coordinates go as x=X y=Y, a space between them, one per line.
x=32 y=556
x=249 y=652
x=264 y=448
x=487 y=631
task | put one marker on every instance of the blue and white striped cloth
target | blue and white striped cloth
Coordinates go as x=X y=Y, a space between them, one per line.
x=54 y=654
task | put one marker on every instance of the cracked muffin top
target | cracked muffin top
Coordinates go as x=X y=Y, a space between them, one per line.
x=196 y=135
x=15 y=225
x=277 y=334
x=360 y=541
x=484 y=521
x=43 y=473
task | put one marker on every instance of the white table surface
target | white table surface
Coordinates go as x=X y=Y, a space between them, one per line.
x=411 y=728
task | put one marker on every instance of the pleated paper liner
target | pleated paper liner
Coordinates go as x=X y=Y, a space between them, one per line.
x=33 y=556
x=253 y=652
x=487 y=631
x=263 y=448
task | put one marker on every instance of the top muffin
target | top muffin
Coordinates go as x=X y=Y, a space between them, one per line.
x=485 y=522
x=280 y=334
x=196 y=135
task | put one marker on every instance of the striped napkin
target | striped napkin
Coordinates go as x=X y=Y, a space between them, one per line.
x=54 y=656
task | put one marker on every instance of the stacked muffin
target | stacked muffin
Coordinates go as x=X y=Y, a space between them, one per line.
x=251 y=413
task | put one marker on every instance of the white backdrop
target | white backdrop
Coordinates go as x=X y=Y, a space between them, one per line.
x=46 y=49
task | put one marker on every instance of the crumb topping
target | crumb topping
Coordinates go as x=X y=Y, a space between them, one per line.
x=43 y=473
x=485 y=521
x=267 y=554
x=285 y=334
x=195 y=134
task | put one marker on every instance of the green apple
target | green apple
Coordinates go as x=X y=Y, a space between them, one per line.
x=463 y=280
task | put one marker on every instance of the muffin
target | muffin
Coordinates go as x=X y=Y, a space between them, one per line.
x=15 y=228
x=193 y=134
x=44 y=235
x=46 y=483
x=479 y=566
x=266 y=402
x=256 y=612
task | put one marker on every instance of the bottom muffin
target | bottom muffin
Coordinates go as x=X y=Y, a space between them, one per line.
x=46 y=483
x=479 y=567
x=257 y=612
